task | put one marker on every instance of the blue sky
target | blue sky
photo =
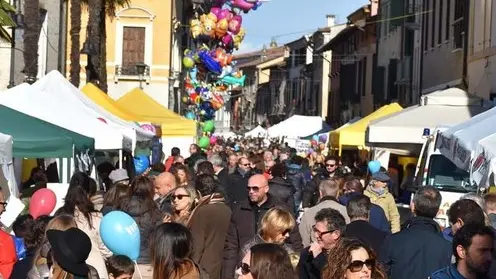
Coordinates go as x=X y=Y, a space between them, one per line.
x=279 y=17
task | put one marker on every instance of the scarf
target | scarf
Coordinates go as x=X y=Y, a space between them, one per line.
x=214 y=198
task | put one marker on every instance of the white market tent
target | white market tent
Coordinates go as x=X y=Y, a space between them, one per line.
x=484 y=164
x=297 y=126
x=31 y=101
x=58 y=87
x=403 y=131
x=258 y=131
x=7 y=164
x=459 y=143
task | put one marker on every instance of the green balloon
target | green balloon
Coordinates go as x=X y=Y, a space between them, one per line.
x=204 y=142
x=208 y=126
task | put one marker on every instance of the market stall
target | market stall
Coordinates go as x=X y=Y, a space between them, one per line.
x=297 y=126
x=258 y=131
x=353 y=135
x=7 y=164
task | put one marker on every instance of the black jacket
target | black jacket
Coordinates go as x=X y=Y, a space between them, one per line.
x=297 y=179
x=310 y=194
x=417 y=251
x=310 y=267
x=244 y=225
x=367 y=233
x=236 y=187
x=282 y=190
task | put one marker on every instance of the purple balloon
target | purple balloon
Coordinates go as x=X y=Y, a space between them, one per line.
x=323 y=138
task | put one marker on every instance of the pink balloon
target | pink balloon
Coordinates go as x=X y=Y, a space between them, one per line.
x=42 y=203
x=213 y=140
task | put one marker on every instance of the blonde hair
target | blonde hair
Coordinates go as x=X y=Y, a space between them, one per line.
x=193 y=199
x=275 y=221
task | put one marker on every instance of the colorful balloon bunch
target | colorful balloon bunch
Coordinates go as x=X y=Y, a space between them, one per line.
x=315 y=143
x=210 y=67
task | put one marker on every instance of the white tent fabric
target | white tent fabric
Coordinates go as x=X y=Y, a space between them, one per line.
x=258 y=131
x=459 y=142
x=7 y=164
x=297 y=126
x=484 y=163
x=442 y=108
x=59 y=87
x=69 y=115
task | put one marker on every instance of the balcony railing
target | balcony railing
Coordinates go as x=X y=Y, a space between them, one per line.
x=131 y=73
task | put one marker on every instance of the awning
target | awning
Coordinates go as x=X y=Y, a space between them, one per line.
x=35 y=138
x=109 y=104
x=138 y=102
x=354 y=135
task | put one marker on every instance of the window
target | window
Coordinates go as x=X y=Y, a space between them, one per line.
x=133 y=49
x=440 y=22
x=459 y=24
x=426 y=24
x=359 y=78
x=445 y=175
x=448 y=21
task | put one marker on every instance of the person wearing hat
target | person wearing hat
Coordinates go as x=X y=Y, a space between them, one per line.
x=119 y=176
x=378 y=192
x=70 y=250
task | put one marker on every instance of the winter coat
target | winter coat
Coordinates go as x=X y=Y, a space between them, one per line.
x=417 y=251
x=449 y=272
x=296 y=177
x=367 y=233
x=147 y=219
x=7 y=254
x=310 y=195
x=236 y=187
x=282 y=190
x=377 y=217
x=209 y=234
x=244 y=225
x=388 y=204
x=308 y=218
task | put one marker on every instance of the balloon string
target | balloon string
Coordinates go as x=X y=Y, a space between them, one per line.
x=139 y=271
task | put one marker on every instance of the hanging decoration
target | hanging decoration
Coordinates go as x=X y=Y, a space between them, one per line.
x=210 y=66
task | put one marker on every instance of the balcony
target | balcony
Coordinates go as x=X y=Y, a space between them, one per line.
x=130 y=73
x=404 y=71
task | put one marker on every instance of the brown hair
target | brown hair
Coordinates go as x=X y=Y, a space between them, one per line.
x=275 y=221
x=270 y=261
x=340 y=258
x=115 y=194
x=61 y=223
x=118 y=265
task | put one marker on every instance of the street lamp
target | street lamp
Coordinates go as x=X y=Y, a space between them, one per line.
x=141 y=67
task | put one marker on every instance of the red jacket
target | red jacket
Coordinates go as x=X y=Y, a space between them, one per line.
x=169 y=162
x=7 y=254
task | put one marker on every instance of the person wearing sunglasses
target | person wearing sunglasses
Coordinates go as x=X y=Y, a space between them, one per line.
x=352 y=259
x=310 y=195
x=329 y=227
x=183 y=202
x=266 y=261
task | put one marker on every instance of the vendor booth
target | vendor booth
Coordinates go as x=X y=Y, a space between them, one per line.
x=35 y=138
x=258 y=131
x=7 y=164
x=297 y=126
x=404 y=132
x=353 y=135
x=177 y=131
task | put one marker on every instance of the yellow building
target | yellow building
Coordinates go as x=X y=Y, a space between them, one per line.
x=138 y=33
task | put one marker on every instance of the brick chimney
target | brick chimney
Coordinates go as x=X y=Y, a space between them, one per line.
x=331 y=20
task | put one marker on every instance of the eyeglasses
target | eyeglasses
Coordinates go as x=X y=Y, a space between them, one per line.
x=319 y=233
x=179 y=197
x=245 y=268
x=286 y=232
x=356 y=266
x=254 y=188
x=330 y=165
x=3 y=203
x=245 y=165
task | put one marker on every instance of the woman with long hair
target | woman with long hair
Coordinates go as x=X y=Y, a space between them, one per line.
x=182 y=174
x=140 y=205
x=266 y=261
x=78 y=204
x=183 y=202
x=352 y=259
x=171 y=251
x=114 y=196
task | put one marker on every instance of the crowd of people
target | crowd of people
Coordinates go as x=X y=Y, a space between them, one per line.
x=243 y=211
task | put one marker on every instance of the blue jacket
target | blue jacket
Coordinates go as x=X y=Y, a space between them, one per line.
x=449 y=272
x=377 y=216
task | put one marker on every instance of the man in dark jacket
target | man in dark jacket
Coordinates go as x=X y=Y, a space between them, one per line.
x=245 y=223
x=164 y=183
x=358 y=209
x=311 y=191
x=297 y=179
x=221 y=172
x=237 y=182
x=420 y=249
x=279 y=187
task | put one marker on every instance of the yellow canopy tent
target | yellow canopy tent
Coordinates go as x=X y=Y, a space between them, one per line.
x=354 y=134
x=138 y=102
x=109 y=104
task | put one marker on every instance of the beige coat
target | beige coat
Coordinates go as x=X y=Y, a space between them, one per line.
x=308 y=219
x=387 y=203
x=99 y=251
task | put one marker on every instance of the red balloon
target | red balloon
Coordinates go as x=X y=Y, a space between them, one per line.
x=42 y=203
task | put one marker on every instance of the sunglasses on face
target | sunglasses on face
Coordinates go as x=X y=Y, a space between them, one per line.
x=253 y=188
x=356 y=266
x=319 y=233
x=245 y=268
x=245 y=165
x=330 y=165
x=179 y=197
x=4 y=204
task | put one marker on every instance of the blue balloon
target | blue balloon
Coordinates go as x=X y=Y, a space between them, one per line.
x=374 y=166
x=190 y=115
x=315 y=137
x=121 y=234
x=141 y=163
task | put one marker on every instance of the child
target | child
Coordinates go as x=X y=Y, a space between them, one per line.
x=120 y=267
